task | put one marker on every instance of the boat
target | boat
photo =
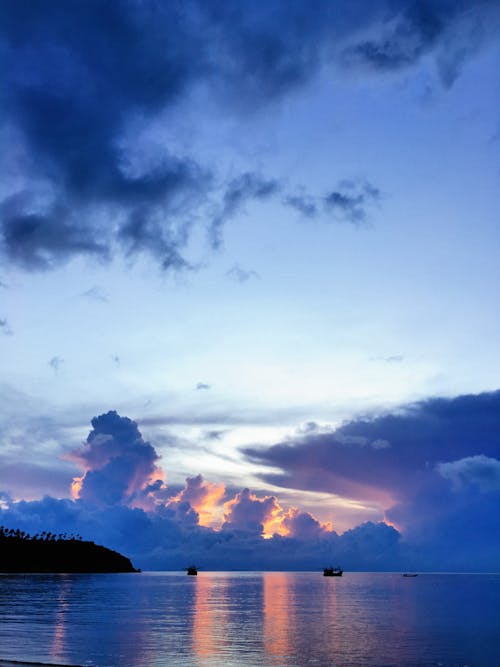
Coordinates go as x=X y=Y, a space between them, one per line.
x=332 y=572
x=192 y=570
x=410 y=574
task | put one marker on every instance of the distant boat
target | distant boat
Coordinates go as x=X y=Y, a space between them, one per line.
x=410 y=574
x=332 y=572
x=192 y=570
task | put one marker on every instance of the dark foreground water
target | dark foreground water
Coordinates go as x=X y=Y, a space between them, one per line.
x=258 y=619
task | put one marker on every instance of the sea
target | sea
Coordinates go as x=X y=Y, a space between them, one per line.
x=257 y=619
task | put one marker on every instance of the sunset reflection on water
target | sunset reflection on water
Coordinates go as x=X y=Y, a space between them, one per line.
x=251 y=619
x=278 y=610
x=209 y=618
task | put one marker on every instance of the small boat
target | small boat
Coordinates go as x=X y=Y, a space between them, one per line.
x=332 y=572
x=410 y=574
x=192 y=570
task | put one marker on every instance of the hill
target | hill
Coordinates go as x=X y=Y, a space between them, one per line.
x=48 y=552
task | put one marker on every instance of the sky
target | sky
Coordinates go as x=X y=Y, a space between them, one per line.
x=249 y=280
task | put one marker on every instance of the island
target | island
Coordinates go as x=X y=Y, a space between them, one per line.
x=48 y=552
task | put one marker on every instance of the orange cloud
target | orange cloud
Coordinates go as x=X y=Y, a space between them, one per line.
x=204 y=497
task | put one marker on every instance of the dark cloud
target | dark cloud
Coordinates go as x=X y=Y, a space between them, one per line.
x=240 y=275
x=433 y=466
x=350 y=201
x=454 y=30
x=416 y=438
x=40 y=240
x=81 y=77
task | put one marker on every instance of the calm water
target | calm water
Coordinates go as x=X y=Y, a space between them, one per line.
x=258 y=619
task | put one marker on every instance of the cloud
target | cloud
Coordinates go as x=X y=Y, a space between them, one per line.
x=391 y=359
x=83 y=80
x=481 y=471
x=351 y=459
x=348 y=202
x=246 y=187
x=304 y=204
x=56 y=363
x=203 y=497
x=122 y=501
x=5 y=327
x=27 y=479
x=167 y=541
x=203 y=386
x=38 y=240
x=303 y=525
x=250 y=514
x=240 y=275
x=119 y=466
x=411 y=459
x=95 y=294
x=453 y=31
x=405 y=461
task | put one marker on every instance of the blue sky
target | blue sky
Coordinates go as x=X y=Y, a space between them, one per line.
x=243 y=227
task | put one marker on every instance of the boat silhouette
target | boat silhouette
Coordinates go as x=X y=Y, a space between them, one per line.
x=192 y=570
x=332 y=572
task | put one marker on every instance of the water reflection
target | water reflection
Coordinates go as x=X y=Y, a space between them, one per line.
x=58 y=641
x=251 y=619
x=278 y=612
x=210 y=617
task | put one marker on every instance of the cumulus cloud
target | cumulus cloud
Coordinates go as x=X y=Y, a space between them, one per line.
x=120 y=467
x=413 y=460
x=83 y=78
x=248 y=513
x=303 y=525
x=202 y=496
x=167 y=540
